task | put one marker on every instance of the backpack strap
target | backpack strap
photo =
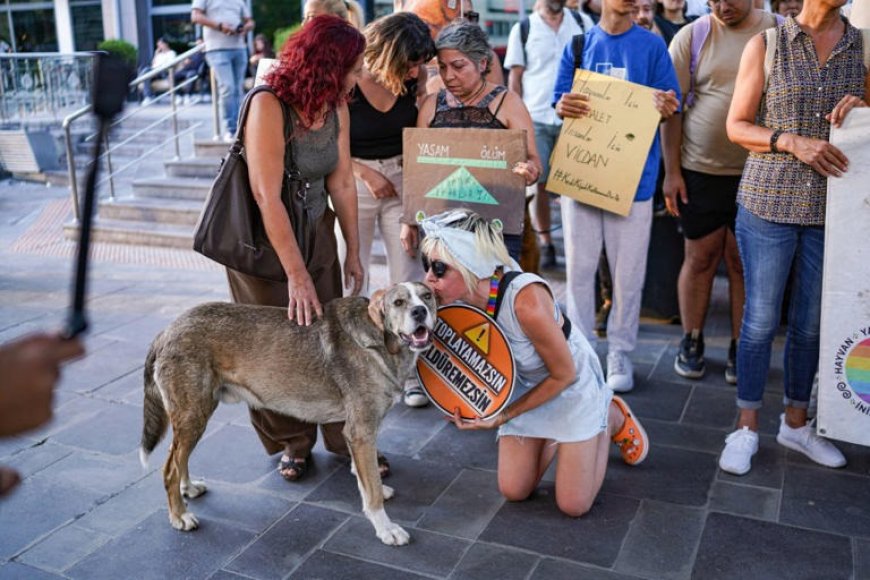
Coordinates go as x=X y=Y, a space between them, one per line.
x=770 y=40
x=577 y=42
x=699 y=32
x=503 y=284
x=579 y=20
x=525 y=26
x=865 y=39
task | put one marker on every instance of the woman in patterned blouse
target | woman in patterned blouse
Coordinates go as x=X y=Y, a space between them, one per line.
x=817 y=77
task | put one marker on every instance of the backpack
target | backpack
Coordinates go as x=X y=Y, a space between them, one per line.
x=771 y=44
x=525 y=26
x=699 y=32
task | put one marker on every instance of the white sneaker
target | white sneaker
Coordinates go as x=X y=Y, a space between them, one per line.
x=740 y=446
x=414 y=395
x=229 y=137
x=619 y=372
x=804 y=440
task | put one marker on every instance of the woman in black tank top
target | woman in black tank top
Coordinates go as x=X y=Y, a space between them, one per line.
x=470 y=101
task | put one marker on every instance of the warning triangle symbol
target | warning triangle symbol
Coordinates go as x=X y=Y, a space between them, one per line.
x=479 y=337
x=462 y=186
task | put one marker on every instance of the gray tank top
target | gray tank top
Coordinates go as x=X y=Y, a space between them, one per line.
x=316 y=154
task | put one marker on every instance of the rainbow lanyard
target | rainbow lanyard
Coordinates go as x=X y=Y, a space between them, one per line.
x=493 y=290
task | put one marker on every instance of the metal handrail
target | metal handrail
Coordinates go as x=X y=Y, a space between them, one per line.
x=173 y=116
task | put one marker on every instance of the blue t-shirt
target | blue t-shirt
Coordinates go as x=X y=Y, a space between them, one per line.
x=645 y=59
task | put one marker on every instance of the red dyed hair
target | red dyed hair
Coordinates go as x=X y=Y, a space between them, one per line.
x=313 y=64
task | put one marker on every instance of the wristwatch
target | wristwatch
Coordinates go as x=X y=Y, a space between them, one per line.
x=774 y=137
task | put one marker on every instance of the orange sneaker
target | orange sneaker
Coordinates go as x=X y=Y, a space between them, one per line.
x=632 y=440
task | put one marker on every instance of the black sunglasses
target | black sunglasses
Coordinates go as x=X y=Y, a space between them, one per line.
x=472 y=16
x=439 y=268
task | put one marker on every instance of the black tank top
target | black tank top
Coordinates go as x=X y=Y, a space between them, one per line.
x=478 y=116
x=377 y=135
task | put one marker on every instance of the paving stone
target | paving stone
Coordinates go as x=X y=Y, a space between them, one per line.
x=155 y=550
x=102 y=474
x=224 y=575
x=692 y=437
x=128 y=389
x=768 y=466
x=232 y=454
x=285 y=545
x=32 y=460
x=474 y=449
x=427 y=553
x=123 y=422
x=98 y=368
x=861 y=551
x=336 y=567
x=537 y=525
x=665 y=401
x=63 y=548
x=129 y=507
x=710 y=407
x=662 y=541
x=407 y=430
x=9 y=446
x=559 y=570
x=239 y=506
x=484 y=561
x=678 y=476
x=736 y=547
x=466 y=507
x=16 y=571
x=38 y=506
x=745 y=500
x=75 y=410
x=417 y=484
x=839 y=509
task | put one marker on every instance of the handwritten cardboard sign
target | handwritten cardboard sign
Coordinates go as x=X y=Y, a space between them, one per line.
x=598 y=159
x=470 y=365
x=469 y=168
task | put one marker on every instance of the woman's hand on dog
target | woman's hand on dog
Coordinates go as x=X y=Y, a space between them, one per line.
x=475 y=424
x=303 y=304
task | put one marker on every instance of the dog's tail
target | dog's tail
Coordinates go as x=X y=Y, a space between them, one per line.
x=156 y=420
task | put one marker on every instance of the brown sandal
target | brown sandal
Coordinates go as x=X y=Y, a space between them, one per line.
x=293 y=469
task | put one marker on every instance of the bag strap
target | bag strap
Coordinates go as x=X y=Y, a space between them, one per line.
x=503 y=284
x=577 y=42
x=699 y=32
x=770 y=40
x=238 y=144
x=865 y=39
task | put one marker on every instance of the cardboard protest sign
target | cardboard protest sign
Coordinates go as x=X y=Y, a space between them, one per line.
x=264 y=67
x=471 y=168
x=469 y=366
x=598 y=159
x=844 y=354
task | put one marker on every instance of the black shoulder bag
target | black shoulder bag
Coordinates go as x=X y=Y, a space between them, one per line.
x=230 y=230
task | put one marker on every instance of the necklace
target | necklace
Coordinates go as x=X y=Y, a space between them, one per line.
x=466 y=102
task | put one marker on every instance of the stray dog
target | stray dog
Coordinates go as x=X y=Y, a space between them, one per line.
x=350 y=365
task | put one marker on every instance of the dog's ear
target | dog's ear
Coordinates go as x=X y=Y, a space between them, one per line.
x=376 y=308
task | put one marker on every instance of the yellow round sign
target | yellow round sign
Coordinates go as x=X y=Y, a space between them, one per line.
x=469 y=366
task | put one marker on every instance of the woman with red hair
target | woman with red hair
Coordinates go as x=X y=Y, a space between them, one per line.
x=301 y=114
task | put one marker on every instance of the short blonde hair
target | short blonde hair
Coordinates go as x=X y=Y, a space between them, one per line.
x=392 y=44
x=488 y=241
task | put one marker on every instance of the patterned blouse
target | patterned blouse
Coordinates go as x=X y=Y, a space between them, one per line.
x=779 y=187
x=459 y=115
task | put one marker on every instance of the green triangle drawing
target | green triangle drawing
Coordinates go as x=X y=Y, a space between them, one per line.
x=462 y=186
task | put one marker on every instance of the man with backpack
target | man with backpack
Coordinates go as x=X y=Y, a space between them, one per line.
x=703 y=169
x=534 y=47
x=619 y=48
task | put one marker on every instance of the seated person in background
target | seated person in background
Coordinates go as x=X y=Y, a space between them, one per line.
x=162 y=55
x=189 y=68
x=262 y=49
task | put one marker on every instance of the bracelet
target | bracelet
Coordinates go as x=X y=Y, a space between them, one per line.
x=774 y=137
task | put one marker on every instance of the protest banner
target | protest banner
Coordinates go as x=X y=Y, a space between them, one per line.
x=598 y=159
x=844 y=354
x=469 y=168
x=469 y=366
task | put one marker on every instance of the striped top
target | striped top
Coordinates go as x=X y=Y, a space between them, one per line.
x=779 y=187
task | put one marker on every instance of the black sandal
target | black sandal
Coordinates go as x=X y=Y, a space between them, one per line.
x=383 y=466
x=292 y=469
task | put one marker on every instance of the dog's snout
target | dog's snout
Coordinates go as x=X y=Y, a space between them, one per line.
x=418 y=313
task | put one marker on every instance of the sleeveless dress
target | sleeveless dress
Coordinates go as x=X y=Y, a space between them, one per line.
x=579 y=412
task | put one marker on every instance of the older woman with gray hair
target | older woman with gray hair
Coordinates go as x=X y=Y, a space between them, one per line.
x=469 y=100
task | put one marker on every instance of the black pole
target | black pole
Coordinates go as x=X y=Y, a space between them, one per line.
x=111 y=78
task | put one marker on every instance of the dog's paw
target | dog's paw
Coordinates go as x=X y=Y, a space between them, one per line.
x=186 y=523
x=193 y=488
x=393 y=535
x=388 y=491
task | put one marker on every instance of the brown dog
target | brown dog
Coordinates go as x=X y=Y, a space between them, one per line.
x=350 y=365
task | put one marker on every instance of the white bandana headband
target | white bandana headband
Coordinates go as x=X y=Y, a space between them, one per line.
x=461 y=243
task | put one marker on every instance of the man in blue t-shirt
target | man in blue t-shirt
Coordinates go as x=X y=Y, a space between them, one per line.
x=617 y=47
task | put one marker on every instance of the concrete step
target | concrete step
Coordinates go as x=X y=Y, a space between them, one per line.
x=160 y=211
x=137 y=233
x=210 y=148
x=172 y=188
x=205 y=167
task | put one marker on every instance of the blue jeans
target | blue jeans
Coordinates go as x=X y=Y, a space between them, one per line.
x=229 y=67
x=772 y=253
